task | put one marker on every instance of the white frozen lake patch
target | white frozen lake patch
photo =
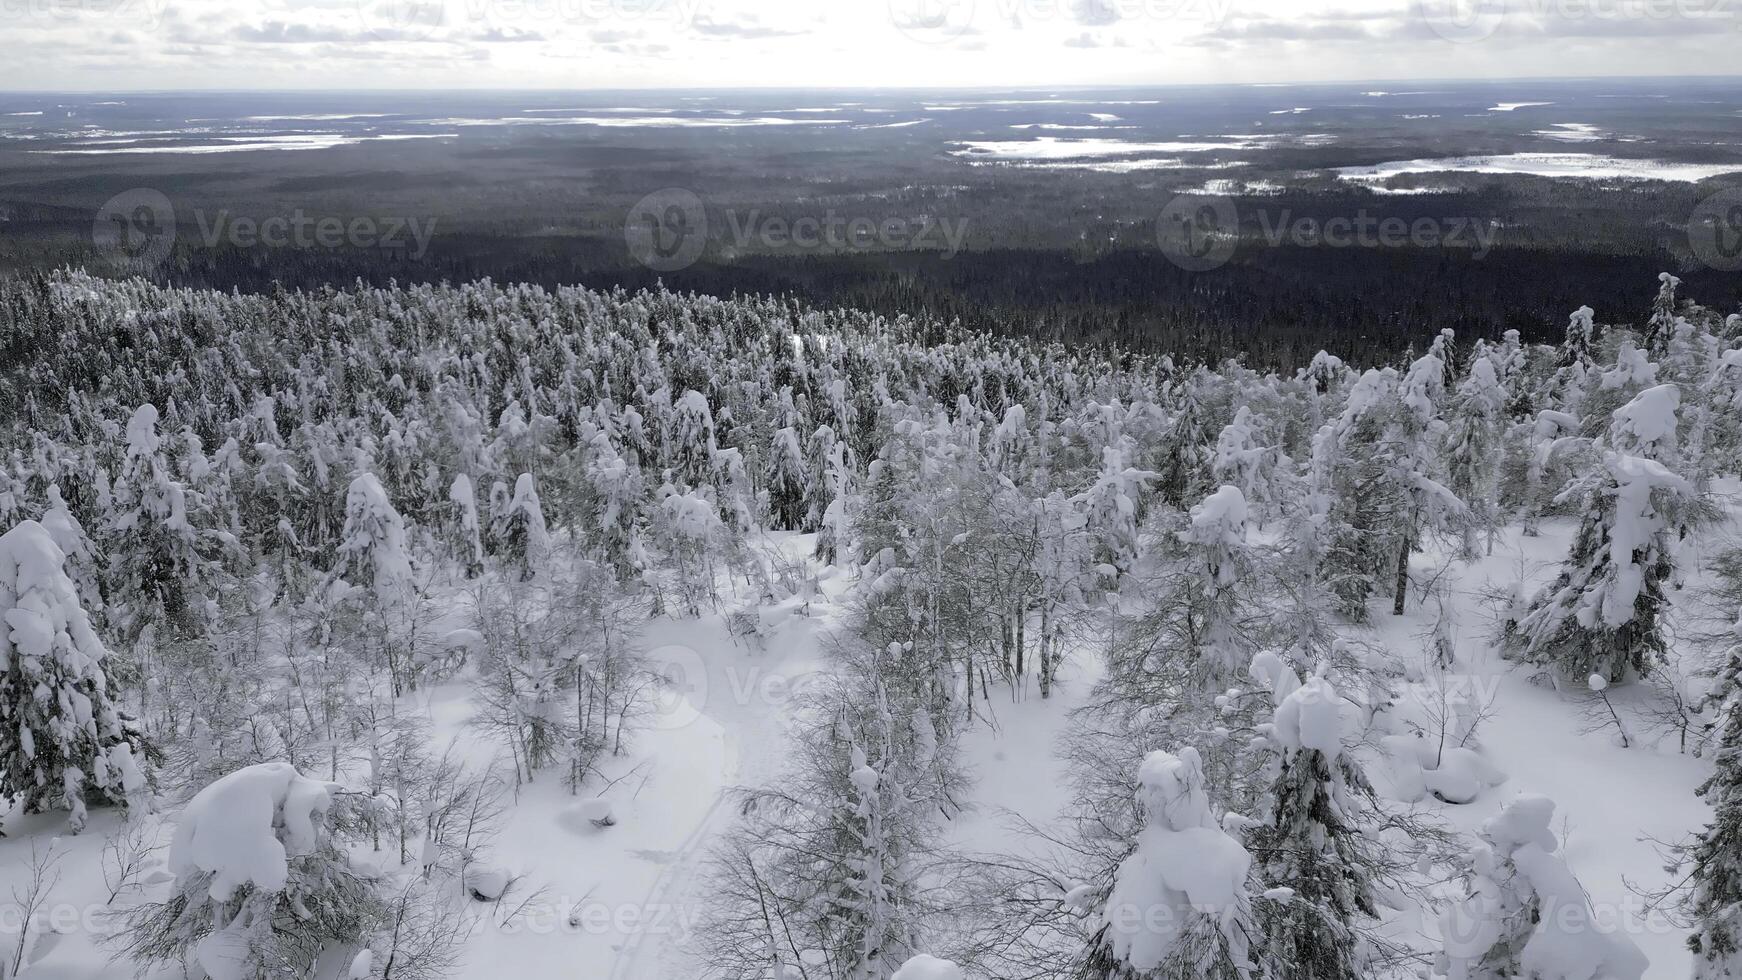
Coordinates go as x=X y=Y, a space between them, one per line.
x=1057 y=148
x=1591 y=166
x=1572 y=133
x=241 y=144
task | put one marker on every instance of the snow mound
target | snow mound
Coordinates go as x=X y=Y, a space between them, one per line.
x=924 y=967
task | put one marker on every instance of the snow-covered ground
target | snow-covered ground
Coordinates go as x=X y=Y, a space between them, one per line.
x=622 y=902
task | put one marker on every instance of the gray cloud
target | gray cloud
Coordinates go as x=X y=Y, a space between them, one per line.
x=1094 y=13
x=749 y=29
x=280 y=32
x=506 y=35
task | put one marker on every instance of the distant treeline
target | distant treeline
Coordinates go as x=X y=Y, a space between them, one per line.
x=1277 y=306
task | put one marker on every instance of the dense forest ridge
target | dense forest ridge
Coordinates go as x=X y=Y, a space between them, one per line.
x=242 y=516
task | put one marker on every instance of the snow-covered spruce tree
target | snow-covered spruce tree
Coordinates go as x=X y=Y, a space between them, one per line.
x=689 y=440
x=462 y=528
x=1309 y=839
x=1602 y=613
x=829 y=861
x=835 y=524
x=1373 y=489
x=616 y=491
x=1198 y=634
x=1472 y=450
x=1184 y=451
x=1177 y=905
x=689 y=535
x=263 y=887
x=1524 y=914
x=374 y=581
x=372 y=550
x=163 y=570
x=1111 y=508
x=1240 y=461
x=520 y=530
x=1714 y=859
x=1660 y=328
x=785 y=478
x=83 y=563
x=63 y=740
x=1412 y=465
x=1724 y=400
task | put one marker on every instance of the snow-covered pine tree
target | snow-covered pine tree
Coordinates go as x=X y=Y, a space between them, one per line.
x=1183 y=454
x=1177 y=905
x=82 y=560
x=462 y=528
x=1313 y=852
x=63 y=739
x=689 y=440
x=1240 y=461
x=1602 y=614
x=162 y=572
x=1412 y=466
x=1524 y=914
x=1661 y=326
x=1111 y=507
x=785 y=478
x=1472 y=451
x=1714 y=859
x=835 y=527
x=520 y=530
x=263 y=886
x=373 y=553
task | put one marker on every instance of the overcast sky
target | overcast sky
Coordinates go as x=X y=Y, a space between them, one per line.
x=115 y=45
